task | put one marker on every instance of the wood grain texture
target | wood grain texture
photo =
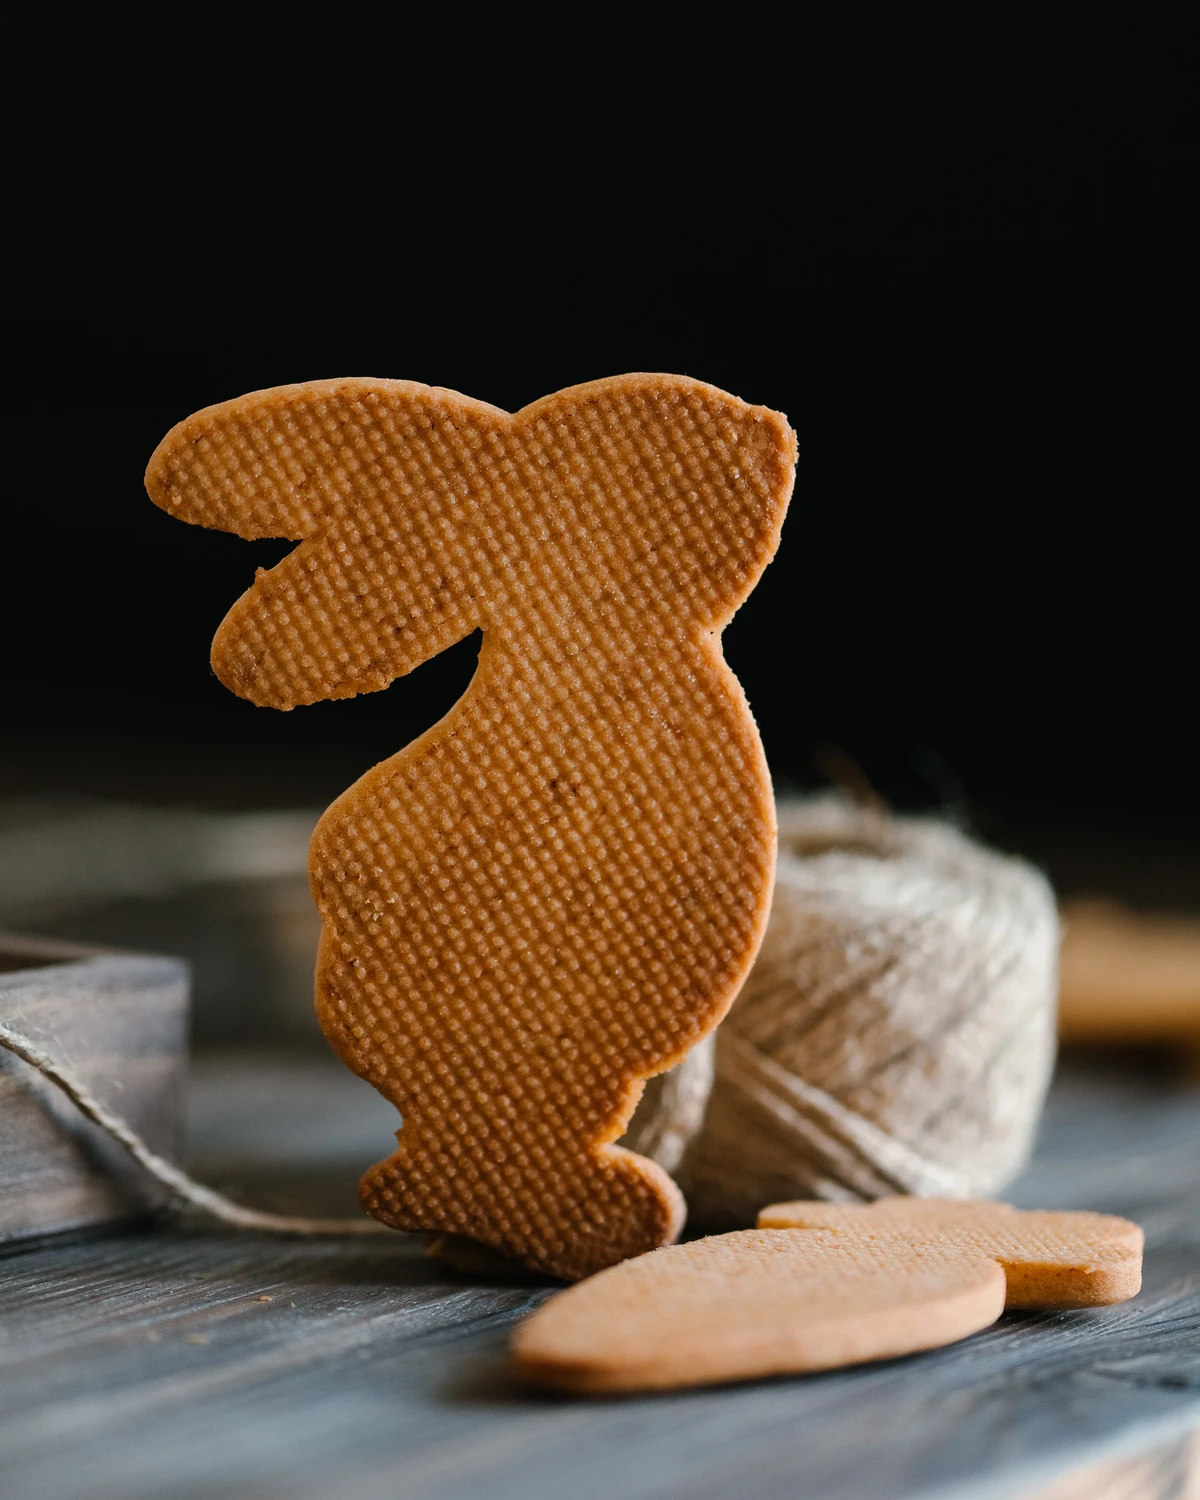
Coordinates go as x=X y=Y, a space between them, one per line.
x=146 y=1364
x=120 y=1021
x=1168 y=1472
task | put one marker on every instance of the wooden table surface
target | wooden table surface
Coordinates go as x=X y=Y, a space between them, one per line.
x=180 y=1361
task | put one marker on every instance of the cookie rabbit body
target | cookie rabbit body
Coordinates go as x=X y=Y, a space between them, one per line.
x=557 y=890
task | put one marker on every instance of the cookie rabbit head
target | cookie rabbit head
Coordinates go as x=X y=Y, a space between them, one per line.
x=423 y=515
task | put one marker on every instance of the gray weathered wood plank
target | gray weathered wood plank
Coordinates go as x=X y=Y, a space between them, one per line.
x=120 y=1021
x=146 y=1364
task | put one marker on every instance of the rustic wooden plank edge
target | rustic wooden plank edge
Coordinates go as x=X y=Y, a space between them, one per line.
x=120 y=1021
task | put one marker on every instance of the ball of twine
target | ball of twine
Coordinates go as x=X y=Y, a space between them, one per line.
x=895 y=1035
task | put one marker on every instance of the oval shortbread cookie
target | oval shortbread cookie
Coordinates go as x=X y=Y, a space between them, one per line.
x=556 y=891
x=1050 y=1259
x=754 y=1303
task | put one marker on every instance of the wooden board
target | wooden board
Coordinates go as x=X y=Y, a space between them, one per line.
x=191 y=1363
x=1130 y=977
x=120 y=1020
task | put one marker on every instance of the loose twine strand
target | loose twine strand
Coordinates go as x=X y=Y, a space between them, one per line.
x=185 y=1189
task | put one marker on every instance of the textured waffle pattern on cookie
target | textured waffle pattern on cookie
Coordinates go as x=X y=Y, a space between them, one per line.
x=755 y=1303
x=558 y=889
x=1052 y=1258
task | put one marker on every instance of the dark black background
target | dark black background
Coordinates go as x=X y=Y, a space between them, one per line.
x=964 y=264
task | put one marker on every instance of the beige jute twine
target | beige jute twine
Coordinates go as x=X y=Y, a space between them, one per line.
x=185 y=1191
x=895 y=1035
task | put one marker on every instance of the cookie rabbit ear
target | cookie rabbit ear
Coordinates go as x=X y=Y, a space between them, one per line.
x=358 y=471
x=298 y=461
x=693 y=483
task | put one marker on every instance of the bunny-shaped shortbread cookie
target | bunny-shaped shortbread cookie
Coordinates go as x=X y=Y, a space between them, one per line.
x=557 y=890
